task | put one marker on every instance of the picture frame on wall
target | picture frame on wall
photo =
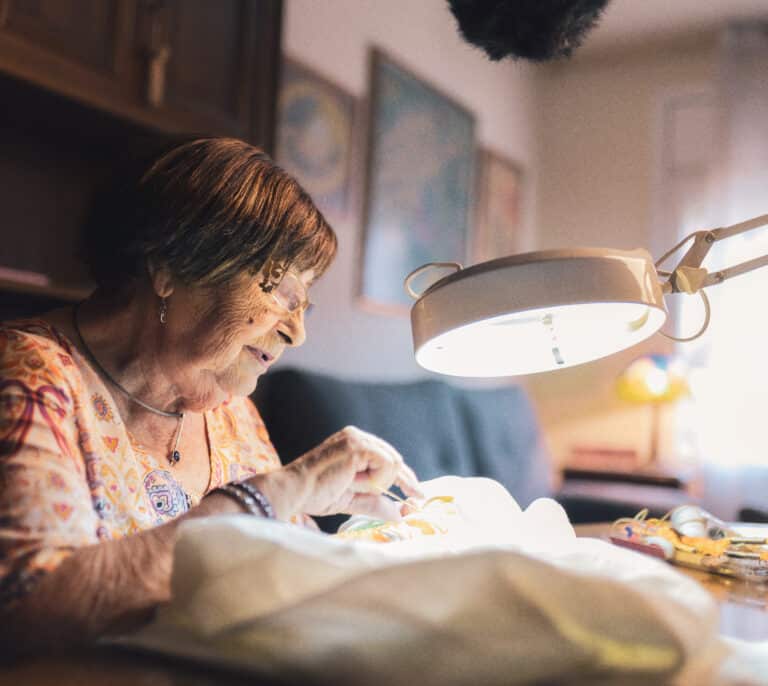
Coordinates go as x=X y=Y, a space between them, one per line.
x=315 y=139
x=420 y=175
x=498 y=212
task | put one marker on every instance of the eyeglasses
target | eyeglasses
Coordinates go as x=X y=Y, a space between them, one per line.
x=291 y=294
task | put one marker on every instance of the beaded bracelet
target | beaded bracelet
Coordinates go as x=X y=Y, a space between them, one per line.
x=244 y=499
x=261 y=500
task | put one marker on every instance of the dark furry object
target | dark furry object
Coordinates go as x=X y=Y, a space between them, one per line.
x=532 y=29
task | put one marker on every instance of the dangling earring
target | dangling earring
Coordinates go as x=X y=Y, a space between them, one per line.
x=163 y=311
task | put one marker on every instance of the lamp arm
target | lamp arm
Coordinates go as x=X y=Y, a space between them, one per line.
x=719 y=276
x=689 y=277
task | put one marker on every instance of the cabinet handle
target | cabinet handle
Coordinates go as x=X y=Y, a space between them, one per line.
x=156 y=71
x=5 y=10
x=158 y=52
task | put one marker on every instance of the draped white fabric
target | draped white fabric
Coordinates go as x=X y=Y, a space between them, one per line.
x=505 y=597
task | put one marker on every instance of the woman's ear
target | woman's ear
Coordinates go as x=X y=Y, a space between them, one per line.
x=162 y=281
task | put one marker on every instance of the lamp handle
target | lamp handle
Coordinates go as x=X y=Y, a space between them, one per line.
x=689 y=276
x=424 y=268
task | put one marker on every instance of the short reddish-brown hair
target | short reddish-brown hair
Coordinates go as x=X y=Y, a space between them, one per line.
x=207 y=209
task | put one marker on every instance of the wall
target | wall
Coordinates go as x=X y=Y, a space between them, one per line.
x=334 y=37
x=599 y=161
x=586 y=132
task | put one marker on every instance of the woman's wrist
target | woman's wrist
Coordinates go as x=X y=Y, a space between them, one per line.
x=253 y=498
x=250 y=499
x=214 y=503
x=284 y=490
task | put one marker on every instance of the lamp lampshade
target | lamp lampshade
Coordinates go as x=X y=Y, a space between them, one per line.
x=537 y=312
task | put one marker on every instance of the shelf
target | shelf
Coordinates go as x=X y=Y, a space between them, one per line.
x=58 y=291
x=644 y=477
x=633 y=496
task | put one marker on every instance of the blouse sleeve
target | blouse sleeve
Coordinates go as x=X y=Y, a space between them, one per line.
x=45 y=504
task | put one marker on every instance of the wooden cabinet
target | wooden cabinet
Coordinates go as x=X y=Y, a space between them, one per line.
x=78 y=48
x=192 y=78
x=84 y=32
x=178 y=66
x=82 y=80
x=208 y=66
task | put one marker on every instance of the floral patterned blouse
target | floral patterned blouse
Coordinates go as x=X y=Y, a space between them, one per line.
x=70 y=473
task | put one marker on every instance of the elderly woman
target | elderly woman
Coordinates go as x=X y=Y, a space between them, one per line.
x=125 y=415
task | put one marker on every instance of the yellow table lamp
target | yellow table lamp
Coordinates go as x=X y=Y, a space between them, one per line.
x=653 y=380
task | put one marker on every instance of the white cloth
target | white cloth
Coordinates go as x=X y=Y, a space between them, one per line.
x=512 y=602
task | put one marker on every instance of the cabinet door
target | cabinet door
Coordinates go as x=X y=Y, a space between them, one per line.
x=176 y=66
x=200 y=62
x=79 y=48
x=267 y=34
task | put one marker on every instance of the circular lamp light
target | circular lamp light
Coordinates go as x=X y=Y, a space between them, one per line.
x=536 y=311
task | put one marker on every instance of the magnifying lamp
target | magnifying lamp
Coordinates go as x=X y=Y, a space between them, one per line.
x=553 y=309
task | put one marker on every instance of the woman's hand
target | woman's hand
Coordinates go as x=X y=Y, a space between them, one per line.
x=345 y=473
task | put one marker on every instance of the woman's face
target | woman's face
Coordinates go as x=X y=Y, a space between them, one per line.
x=218 y=342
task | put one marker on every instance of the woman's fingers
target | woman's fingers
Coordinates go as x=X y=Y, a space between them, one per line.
x=349 y=470
x=400 y=473
x=408 y=482
x=377 y=506
x=378 y=461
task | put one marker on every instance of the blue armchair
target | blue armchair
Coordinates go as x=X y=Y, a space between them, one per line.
x=439 y=429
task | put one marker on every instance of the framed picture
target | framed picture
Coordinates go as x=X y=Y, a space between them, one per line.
x=314 y=141
x=498 y=210
x=419 y=182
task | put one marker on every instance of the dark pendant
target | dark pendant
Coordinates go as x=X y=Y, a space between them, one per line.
x=175 y=456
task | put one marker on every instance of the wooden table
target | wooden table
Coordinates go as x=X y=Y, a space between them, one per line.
x=743 y=604
x=107 y=666
x=743 y=615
